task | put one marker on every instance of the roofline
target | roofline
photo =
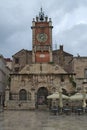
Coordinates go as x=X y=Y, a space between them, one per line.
x=22 y=50
x=63 y=52
x=44 y=74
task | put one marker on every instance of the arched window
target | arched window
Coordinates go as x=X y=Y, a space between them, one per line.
x=22 y=94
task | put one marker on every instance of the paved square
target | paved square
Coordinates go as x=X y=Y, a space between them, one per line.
x=41 y=120
x=48 y=128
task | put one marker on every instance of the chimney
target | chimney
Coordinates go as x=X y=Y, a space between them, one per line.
x=61 y=47
x=61 y=56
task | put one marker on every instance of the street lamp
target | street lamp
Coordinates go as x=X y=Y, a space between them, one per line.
x=84 y=94
x=60 y=99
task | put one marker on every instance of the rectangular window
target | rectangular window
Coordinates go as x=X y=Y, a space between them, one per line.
x=16 y=60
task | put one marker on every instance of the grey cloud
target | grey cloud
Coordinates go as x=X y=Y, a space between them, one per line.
x=16 y=19
x=75 y=39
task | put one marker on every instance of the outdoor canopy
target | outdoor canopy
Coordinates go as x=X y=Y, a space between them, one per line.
x=56 y=95
x=77 y=96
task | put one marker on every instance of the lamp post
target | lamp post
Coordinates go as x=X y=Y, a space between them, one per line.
x=60 y=100
x=84 y=94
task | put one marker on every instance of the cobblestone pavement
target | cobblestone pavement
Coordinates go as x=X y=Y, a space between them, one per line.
x=40 y=120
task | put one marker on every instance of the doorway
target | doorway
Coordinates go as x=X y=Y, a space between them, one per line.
x=42 y=94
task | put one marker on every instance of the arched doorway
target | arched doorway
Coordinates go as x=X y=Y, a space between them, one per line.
x=22 y=94
x=42 y=94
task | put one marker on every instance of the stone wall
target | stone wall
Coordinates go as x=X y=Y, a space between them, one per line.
x=32 y=83
x=20 y=59
x=80 y=64
x=60 y=57
x=18 y=105
x=63 y=59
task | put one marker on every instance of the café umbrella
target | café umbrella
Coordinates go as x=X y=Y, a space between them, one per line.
x=60 y=96
x=84 y=98
x=77 y=96
x=56 y=95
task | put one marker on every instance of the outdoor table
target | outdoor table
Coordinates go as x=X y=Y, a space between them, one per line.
x=79 y=111
x=86 y=110
x=67 y=111
x=54 y=110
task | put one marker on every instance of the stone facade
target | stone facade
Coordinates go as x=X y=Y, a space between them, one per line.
x=80 y=68
x=8 y=63
x=60 y=57
x=4 y=75
x=34 y=76
x=20 y=59
x=80 y=65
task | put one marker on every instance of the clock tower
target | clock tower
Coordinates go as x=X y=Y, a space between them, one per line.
x=41 y=39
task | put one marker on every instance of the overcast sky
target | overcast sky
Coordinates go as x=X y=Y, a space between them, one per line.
x=69 y=19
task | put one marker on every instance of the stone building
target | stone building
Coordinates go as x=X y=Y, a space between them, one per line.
x=4 y=75
x=42 y=71
x=80 y=68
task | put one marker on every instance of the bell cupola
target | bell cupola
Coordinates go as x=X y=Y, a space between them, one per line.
x=41 y=38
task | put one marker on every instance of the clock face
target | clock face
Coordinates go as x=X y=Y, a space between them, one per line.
x=42 y=37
